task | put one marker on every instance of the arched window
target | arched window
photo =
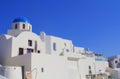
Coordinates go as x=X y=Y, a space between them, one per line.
x=23 y=26
x=15 y=26
x=54 y=46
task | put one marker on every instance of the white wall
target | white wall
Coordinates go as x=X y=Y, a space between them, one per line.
x=68 y=66
x=101 y=66
x=84 y=67
x=21 y=41
x=79 y=50
x=62 y=45
x=11 y=72
x=48 y=45
x=73 y=69
x=5 y=48
x=55 y=67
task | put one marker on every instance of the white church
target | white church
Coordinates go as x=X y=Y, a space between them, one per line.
x=26 y=55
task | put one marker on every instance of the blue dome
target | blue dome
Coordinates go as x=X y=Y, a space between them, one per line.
x=21 y=19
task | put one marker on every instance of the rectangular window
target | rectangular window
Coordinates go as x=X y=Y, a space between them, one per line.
x=90 y=72
x=21 y=51
x=42 y=69
x=29 y=50
x=15 y=26
x=29 y=42
x=65 y=44
x=67 y=50
x=73 y=49
x=54 y=46
x=89 y=67
x=23 y=26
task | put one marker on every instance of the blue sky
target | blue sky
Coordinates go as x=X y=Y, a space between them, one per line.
x=93 y=24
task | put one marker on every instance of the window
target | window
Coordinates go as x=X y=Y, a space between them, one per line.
x=54 y=46
x=67 y=50
x=73 y=49
x=64 y=44
x=42 y=69
x=116 y=61
x=23 y=26
x=29 y=42
x=15 y=26
x=89 y=67
x=29 y=50
x=90 y=72
x=20 y=51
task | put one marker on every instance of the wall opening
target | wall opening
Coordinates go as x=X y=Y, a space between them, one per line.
x=21 y=51
x=54 y=46
x=23 y=26
x=29 y=50
x=42 y=69
x=29 y=42
x=15 y=26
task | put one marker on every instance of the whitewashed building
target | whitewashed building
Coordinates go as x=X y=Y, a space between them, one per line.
x=45 y=56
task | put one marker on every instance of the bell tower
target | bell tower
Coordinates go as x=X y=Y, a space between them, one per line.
x=19 y=25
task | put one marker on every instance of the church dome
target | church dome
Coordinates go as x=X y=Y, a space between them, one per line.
x=21 y=19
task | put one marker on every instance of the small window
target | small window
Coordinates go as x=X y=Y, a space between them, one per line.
x=90 y=72
x=89 y=67
x=29 y=42
x=29 y=50
x=64 y=44
x=15 y=26
x=67 y=50
x=21 y=51
x=54 y=46
x=73 y=49
x=23 y=26
x=42 y=69
x=116 y=61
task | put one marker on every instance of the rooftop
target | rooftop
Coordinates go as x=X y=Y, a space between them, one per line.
x=21 y=19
